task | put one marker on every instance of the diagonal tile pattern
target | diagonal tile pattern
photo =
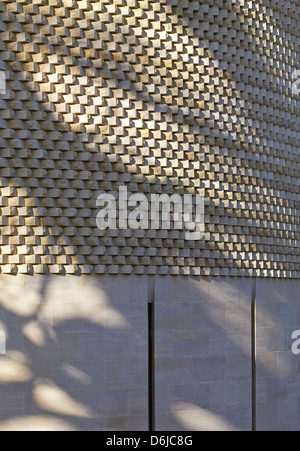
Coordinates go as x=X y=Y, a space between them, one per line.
x=169 y=96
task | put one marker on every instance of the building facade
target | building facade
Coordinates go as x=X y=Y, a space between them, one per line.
x=136 y=326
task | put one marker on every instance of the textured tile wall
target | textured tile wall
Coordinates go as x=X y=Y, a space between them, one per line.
x=168 y=96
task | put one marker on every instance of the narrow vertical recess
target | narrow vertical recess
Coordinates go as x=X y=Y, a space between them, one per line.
x=151 y=355
x=253 y=332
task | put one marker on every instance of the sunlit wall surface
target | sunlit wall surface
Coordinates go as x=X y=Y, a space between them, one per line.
x=161 y=97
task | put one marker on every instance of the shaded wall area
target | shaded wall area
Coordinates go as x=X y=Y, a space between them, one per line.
x=203 y=350
x=77 y=353
x=278 y=370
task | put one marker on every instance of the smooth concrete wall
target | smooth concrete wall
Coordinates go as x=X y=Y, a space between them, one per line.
x=203 y=354
x=278 y=370
x=77 y=353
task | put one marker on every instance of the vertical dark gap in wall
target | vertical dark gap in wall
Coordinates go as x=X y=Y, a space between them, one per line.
x=151 y=355
x=253 y=346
